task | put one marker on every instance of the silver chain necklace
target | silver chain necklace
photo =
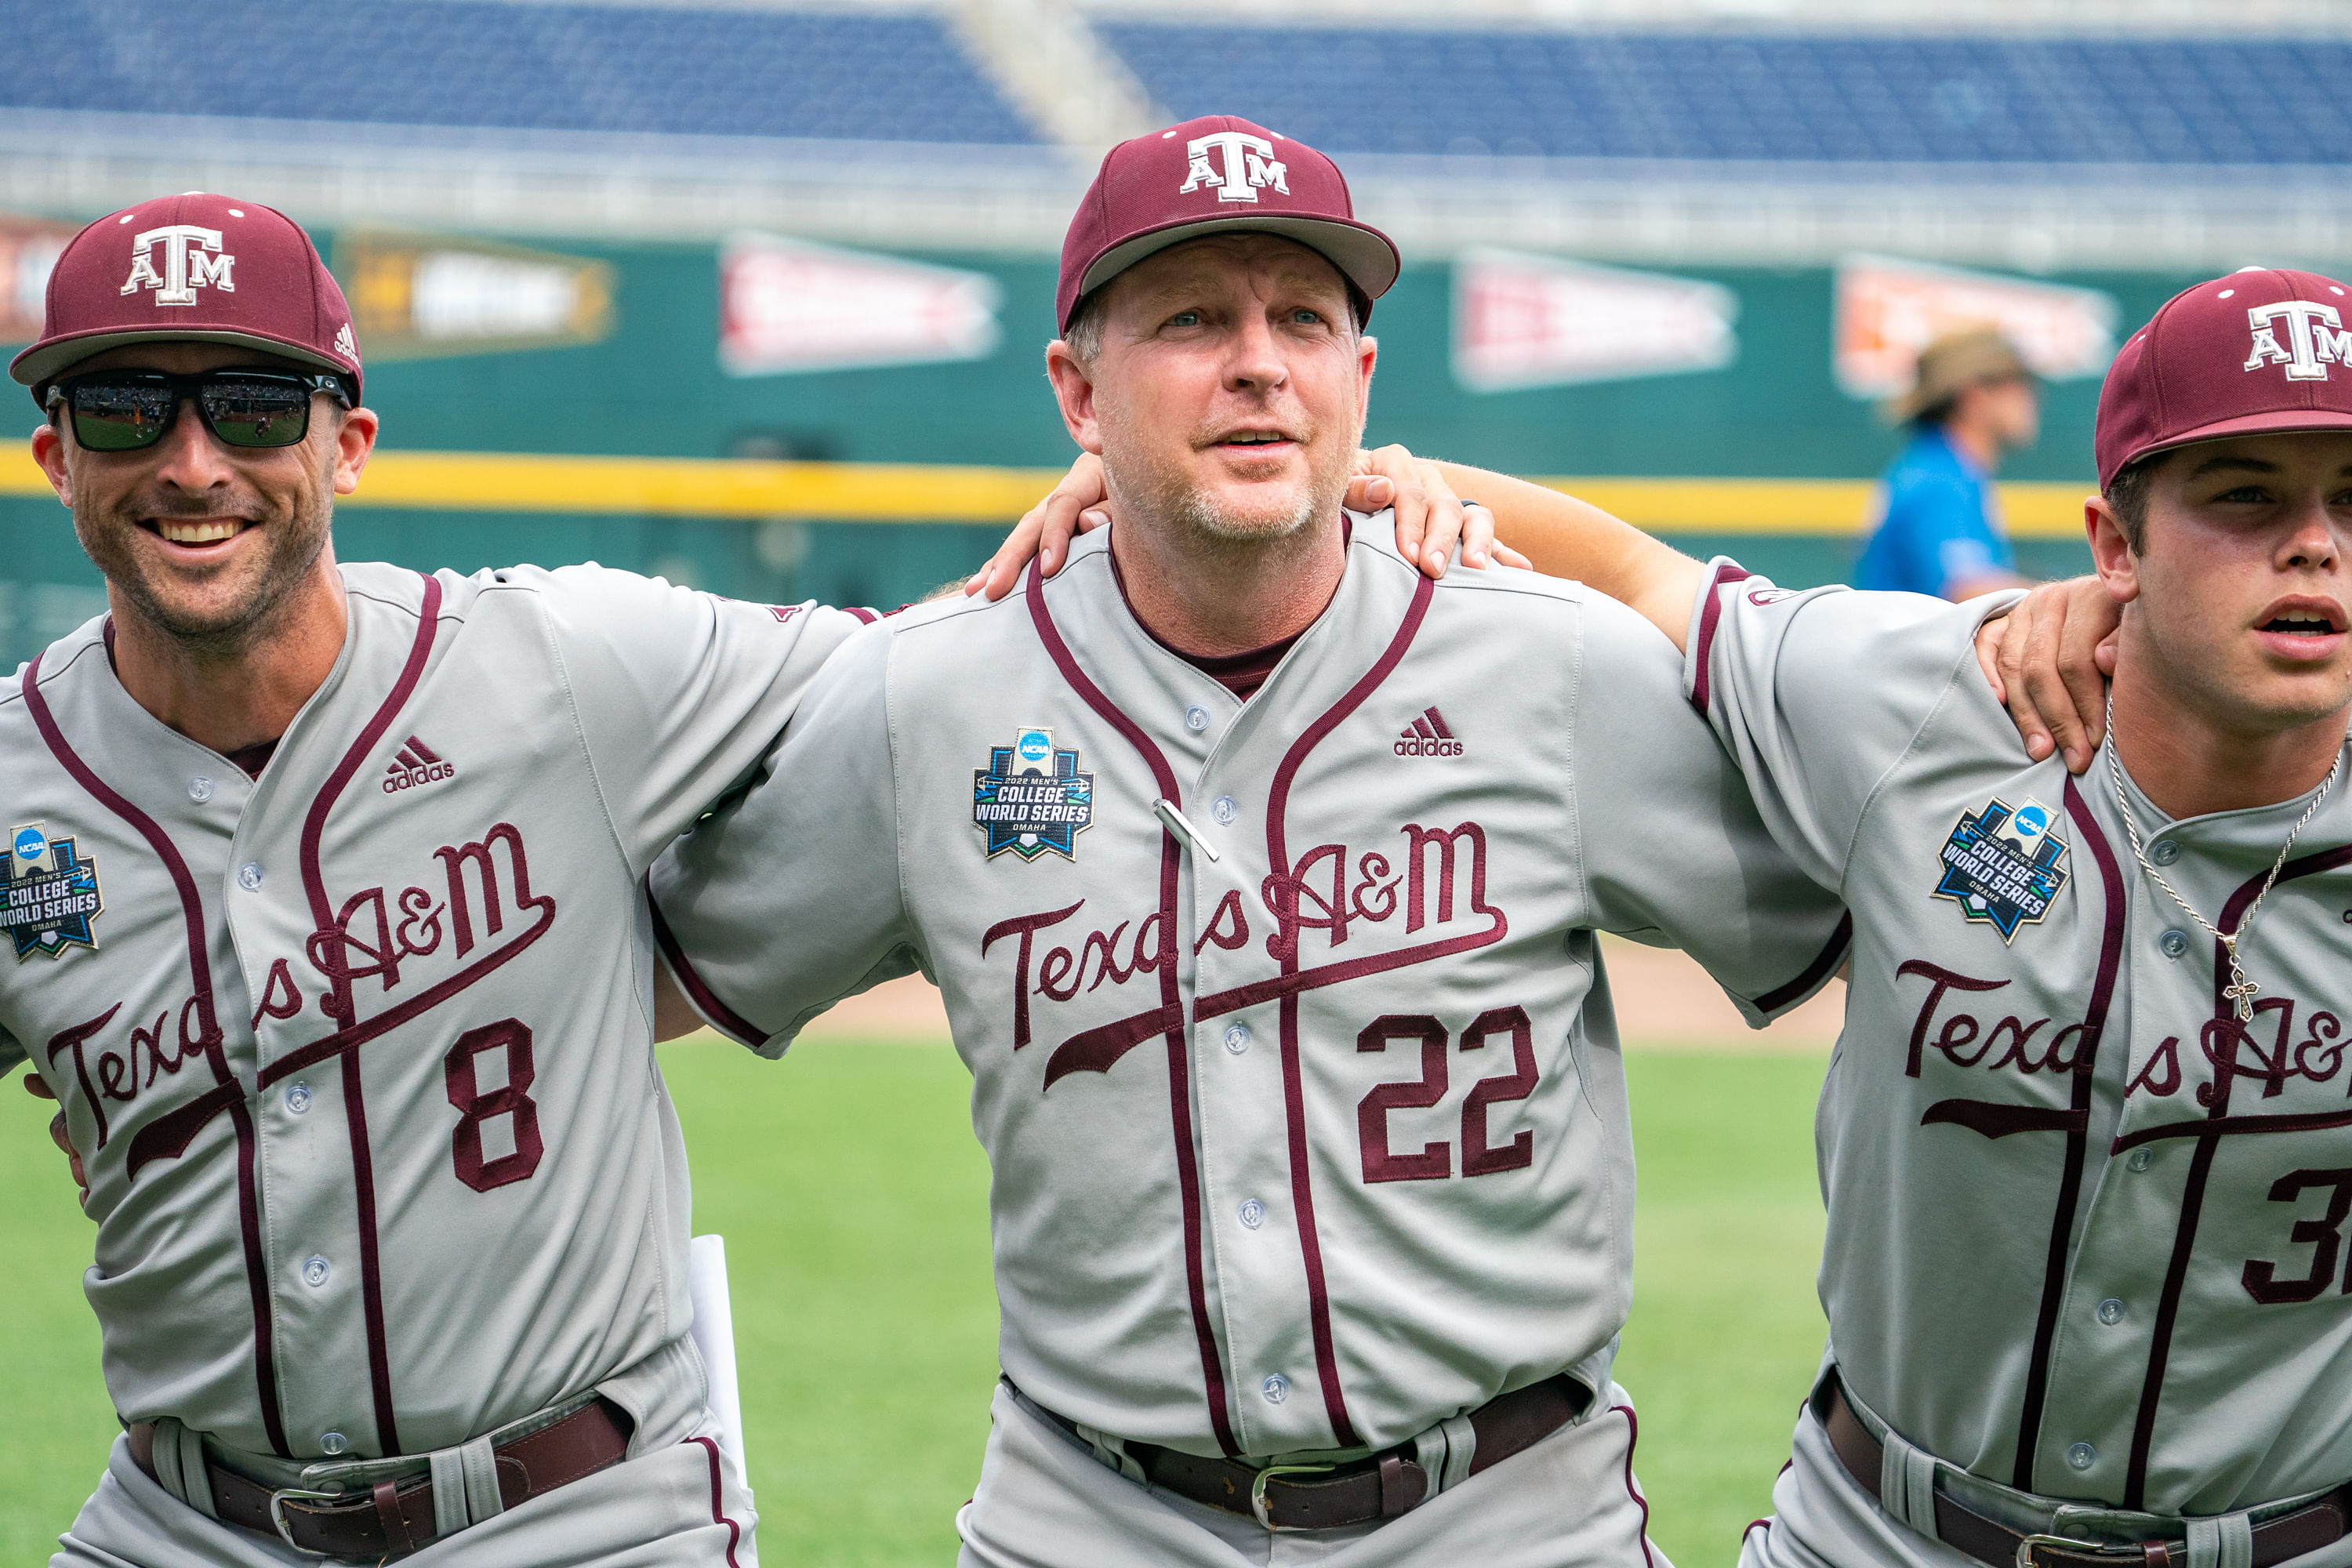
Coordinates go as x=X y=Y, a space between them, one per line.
x=2241 y=990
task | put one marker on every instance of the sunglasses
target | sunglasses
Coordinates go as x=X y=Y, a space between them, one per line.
x=124 y=410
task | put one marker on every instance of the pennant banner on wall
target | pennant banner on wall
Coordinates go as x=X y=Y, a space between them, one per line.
x=788 y=305
x=1887 y=310
x=1522 y=320
x=422 y=296
x=29 y=247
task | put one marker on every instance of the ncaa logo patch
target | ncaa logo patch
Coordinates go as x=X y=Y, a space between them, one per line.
x=48 y=894
x=2004 y=867
x=1031 y=797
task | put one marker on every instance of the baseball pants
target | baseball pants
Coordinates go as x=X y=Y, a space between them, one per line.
x=1571 y=1501
x=680 y=1505
x=1823 y=1518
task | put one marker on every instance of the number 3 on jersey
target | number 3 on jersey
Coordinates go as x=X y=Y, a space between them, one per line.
x=1435 y=1162
x=476 y=1105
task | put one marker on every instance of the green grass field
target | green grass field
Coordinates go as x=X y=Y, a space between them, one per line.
x=853 y=1198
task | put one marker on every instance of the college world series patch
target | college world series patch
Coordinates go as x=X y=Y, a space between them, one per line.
x=2003 y=866
x=51 y=894
x=1031 y=797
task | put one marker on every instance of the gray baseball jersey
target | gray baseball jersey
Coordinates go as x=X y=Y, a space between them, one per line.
x=359 y=1053
x=1315 y=1142
x=2085 y=1232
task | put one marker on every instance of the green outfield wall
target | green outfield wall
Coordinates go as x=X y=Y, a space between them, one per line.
x=652 y=387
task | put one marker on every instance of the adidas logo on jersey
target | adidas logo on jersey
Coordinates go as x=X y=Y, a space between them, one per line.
x=1427 y=736
x=416 y=765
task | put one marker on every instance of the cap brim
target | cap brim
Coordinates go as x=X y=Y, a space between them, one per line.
x=1363 y=255
x=47 y=360
x=2279 y=422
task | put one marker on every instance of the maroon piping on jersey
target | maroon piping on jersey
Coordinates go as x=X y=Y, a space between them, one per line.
x=2077 y=1128
x=2209 y=1131
x=340 y=1005
x=1815 y=973
x=1710 y=612
x=200 y=974
x=1180 y=1084
x=719 y=1501
x=1293 y=1096
x=722 y=1018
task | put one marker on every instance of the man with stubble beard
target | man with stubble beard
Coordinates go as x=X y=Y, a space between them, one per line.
x=323 y=894
x=1261 y=877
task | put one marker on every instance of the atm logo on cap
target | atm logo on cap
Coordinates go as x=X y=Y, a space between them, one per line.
x=192 y=259
x=1249 y=166
x=2314 y=338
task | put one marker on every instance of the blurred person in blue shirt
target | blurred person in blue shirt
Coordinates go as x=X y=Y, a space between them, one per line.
x=1937 y=527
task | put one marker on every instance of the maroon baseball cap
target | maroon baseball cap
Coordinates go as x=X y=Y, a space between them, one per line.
x=191 y=268
x=1213 y=175
x=2257 y=353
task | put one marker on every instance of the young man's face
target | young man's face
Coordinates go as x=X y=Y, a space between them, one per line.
x=1228 y=395
x=203 y=539
x=2242 y=585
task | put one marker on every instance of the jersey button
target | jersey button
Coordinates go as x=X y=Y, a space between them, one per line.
x=2111 y=1312
x=2082 y=1456
x=315 y=1271
x=1276 y=1388
x=200 y=789
x=332 y=1442
x=1253 y=1214
x=2164 y=851
x=297 y=1098
x=1237 y=1038
x=1196 y=717
x=2141 y=1159
x=1224 y=809
x=2173 y=943
x=249 y=876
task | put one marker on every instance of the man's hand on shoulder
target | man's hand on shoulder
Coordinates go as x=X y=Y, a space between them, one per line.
x=1429 y=516
x=40 y=1090
x=1429 y=519
x=2048 y=659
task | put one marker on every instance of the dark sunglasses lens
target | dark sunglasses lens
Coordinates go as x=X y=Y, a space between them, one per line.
x=258 y=413
x=119 y=415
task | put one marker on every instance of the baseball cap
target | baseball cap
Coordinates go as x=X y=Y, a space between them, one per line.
x=1214 y=175
x=2259 y=352
x=194 y=267
x=1963 y=357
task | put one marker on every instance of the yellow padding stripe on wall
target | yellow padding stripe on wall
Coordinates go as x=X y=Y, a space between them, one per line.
x=924 y=492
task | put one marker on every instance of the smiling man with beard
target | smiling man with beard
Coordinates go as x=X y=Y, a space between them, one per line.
x=1292 y=1052
x=322 y=896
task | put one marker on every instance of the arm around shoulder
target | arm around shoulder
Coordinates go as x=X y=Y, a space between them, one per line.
x=788 y=897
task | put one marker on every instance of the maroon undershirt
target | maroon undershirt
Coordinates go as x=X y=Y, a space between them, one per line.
x=250 y=759
x=1239 y=673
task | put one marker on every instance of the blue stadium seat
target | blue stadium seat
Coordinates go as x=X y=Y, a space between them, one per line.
x=466 y=63
x=1774 y=98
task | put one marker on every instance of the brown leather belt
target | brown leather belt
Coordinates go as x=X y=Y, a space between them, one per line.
x=1379 y=1486
x=2307 y=1528
x=394 y=1518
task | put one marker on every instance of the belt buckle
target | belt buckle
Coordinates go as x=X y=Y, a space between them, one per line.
x=277 y=1515
x=1257 y=1490
x=2078 y=1546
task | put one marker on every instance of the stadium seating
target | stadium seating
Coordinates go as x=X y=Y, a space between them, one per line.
x=1767 y=98
x=877 y=77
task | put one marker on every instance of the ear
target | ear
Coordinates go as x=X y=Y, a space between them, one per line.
x=1074 y=390
x=50 y=451
x=1368 y=353
x=354 y=440
x=2111 y=554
